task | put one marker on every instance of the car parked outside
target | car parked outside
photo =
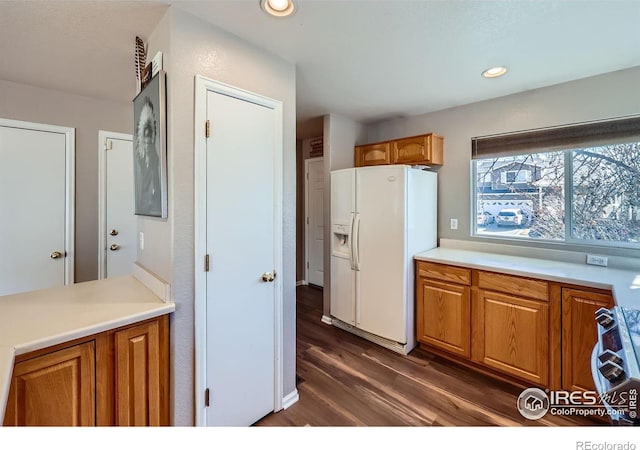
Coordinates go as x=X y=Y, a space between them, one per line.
x=510 y=217
x=484 y=218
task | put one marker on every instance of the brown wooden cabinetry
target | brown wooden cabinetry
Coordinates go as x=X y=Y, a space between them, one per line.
x=118 y=377
x=372 y=154
x=512 y=335
x=55 y=389
x=443 y=311
x=579 y=335
x=426 y=149
x=528 y=331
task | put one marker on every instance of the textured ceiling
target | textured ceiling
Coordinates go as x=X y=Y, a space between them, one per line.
x=368 y=60
x=80 y=47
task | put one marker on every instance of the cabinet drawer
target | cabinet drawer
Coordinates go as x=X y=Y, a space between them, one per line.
x=514 y=285
x=444 y=273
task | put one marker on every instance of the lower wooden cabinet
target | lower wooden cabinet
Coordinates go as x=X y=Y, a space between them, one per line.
x=55 y=389
x=443 y=311
x=579 y=335
x=137 y=385
x=118 y=377
x=512 y=335
x=528 y=331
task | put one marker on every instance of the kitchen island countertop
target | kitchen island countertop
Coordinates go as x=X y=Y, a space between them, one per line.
x=38 y=319
x=624 y=284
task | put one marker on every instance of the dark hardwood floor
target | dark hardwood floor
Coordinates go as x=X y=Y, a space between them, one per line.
x=344 y=380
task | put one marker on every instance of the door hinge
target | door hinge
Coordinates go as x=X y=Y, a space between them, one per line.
x=108 y=144
x=207 y=129
x=307 y=221
x=307 y=175
x=307 y=264
x=206 y=263
x=206 y=397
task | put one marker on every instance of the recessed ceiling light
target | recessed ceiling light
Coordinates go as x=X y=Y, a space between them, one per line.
x=278 y=8
x=494 y=72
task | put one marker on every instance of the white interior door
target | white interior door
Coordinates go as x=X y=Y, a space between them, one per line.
x=36 y=195
x=242 y=243
x=118 y=240
x=315 y=221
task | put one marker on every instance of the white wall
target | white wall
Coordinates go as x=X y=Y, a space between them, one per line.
x=87 y=115
x=198 y=48
x=341 y=135
x=156 y=256
x=605 y=96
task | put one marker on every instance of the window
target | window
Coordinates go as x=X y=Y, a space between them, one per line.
x=578 y=192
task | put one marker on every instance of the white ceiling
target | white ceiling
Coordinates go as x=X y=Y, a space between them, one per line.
x=81 y=47
x=368 y=60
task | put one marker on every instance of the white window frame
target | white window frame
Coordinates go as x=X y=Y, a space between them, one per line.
x=568 y=240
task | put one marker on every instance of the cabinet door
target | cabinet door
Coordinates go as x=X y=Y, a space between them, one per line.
x=138 y=371
x=443 y=316
x=579 y=335
x=372 y=155
x=56 y=389
x=426 y=149
x=513 y=335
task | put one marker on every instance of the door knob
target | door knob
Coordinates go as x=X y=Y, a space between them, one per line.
x=55 y=255
x=114 y=232
x=114 y=247
x=268 y=277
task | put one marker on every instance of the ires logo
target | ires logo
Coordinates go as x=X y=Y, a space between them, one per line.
x=534 y=403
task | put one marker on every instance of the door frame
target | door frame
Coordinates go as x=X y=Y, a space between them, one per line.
x=102 y=196
x=202 y=86
x=70 y=186
x=306 y=215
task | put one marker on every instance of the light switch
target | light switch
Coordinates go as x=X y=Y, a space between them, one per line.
x=454 y=224
x=141 y=240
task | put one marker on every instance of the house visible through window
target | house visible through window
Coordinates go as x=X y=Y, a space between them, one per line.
x=577 y=192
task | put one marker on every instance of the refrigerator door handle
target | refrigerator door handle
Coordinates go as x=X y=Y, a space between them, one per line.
x=350 y=237
x=356 y=242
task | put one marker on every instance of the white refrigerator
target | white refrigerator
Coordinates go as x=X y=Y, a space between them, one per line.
x=380 y=217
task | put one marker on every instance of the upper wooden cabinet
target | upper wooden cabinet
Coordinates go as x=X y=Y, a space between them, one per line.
x=579 y=335
x=426 y=149
x=55 y=389
x=118 y=377
x=372 y=155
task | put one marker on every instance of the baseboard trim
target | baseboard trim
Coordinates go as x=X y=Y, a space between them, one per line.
x=326 y=319
x=290 y=399
x=301 y=283
x=397 y=347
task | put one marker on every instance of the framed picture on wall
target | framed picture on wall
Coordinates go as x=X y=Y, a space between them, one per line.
x=150 y=149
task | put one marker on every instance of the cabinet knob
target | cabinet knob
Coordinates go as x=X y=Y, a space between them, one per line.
x=114 y=232
x=55 y=255
x=114 y=247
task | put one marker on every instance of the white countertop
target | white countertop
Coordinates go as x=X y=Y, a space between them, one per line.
x=625 y=284
x=38 y=319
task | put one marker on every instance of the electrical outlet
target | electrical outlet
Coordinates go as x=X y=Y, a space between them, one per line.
x=597 y=260
x=141 y=240
x=454 y=224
